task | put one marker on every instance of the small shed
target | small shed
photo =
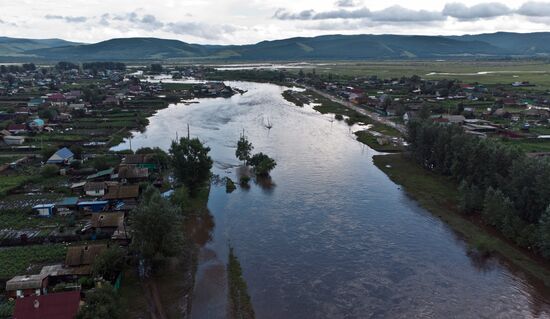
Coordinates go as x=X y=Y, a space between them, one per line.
x=93 y=206
x=141 y=160
x=107 y=223
x=23 y=286
x=122 y=192
x=81 y=258
x=78 y=188
x=132 y=173
x=95 y=189
x=44 y=210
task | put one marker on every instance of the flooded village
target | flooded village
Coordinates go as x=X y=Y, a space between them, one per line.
x=74 y=191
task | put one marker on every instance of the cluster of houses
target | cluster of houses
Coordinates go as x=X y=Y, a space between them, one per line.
x=102 y=202
x=36 y=296
x=481 y=110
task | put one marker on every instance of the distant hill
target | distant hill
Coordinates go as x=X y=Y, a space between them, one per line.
x=329 y=47
x=18 y=47
x=537 y=43
x=365 y=47
x=126 y=49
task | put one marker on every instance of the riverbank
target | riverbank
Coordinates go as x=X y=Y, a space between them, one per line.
x=169 y=292
x=239 y=299
x=440 y=196
x=378 y=136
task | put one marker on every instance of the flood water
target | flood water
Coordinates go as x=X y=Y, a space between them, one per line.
x=330 y=236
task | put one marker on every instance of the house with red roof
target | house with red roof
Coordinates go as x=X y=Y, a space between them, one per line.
x=17 y=128
x=57 y=99
x=61 y=305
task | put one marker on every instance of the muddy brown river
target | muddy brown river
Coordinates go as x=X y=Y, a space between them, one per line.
x=330 y=236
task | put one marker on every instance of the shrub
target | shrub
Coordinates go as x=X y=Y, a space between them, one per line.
x=229 y=185
x=262 y=164
x=244 y=180
x=49 y=170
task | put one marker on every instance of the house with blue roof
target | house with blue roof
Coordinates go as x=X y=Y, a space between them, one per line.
x=37 y=124
x=62 y=156
x=44 y=210
x=92 y=206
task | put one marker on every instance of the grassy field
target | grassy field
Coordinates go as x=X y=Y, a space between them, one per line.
x=491 y=72
x=19 y=219
x=530 y=145
x=370 y=140
x=440 y=196
x=8 y=183
x=16 y=260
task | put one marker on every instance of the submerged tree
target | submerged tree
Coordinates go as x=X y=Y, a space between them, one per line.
x=244 y=149
x=262 y=164
x=191 y=162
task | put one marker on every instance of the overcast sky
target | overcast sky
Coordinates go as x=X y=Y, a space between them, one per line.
x=250 y=21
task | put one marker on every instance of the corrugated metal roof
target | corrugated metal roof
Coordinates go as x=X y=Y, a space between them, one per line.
x=25 y=282
x=61 y=305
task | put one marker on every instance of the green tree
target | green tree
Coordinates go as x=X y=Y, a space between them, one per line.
x=493 y=207
x=156 y=68
x=471 y=198
x=244 y=149
x=543 y=234
x=48 y=114
x=181 y=198
x=110 y=263
x=47 y=152
x=262 y=164
x=49 y=171
x=158 y=156
x=156 y=231
x=101 y=303
x=191 y=162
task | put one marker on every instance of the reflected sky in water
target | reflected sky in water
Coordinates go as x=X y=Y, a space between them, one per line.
x=332 y=237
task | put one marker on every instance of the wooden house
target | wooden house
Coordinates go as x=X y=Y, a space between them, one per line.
x=27 y=285
x=79 y=259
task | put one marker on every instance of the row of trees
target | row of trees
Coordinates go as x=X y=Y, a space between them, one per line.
x=14 y=68
x=508 y=189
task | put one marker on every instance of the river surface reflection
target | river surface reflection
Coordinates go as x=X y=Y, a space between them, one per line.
x=330 y=236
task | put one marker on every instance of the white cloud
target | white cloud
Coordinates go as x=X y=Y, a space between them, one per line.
x=200 y=30
x=478 y=11
x=347 y=3
x=535 y=9
x=238 y=22
x=68 y=19
x=400 y=14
